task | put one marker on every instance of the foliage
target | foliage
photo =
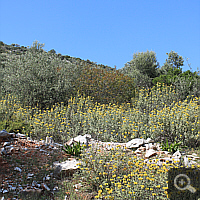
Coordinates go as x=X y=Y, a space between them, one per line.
x=172 y=148
x=104 y=86
x=168 y=77
x=173 y=61
x=15 y=126
x=156 y=113
x=163 y=113
x=186 y=83
x=11 y=116
x=114 y=174
x=143 y=67
x=39 y=78
x=74 y=150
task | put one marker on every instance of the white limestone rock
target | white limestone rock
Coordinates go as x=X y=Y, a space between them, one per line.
x=148 y=140
x=177 y=154
x=68 y=165
x=150 y=153
x=135 y=143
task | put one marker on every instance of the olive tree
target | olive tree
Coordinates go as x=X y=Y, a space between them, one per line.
x=39 y=78
x=143 y=68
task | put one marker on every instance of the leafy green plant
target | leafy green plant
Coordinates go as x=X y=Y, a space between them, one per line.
x=75 y=149
x=15 y=126
x=173 y=147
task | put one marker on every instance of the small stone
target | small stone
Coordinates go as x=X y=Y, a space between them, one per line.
x=17 y=169
x=3 y=151
x=177 y=154
x=49 y=140
x=21 y=136
x=45 y=187
x=6 y=144
x=55 y=188
x=5 y=191
x=77 y=186
x=29 y=139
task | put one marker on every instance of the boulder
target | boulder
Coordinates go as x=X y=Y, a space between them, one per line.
x=135 y=143
x=150 y=153
x=68 y=167
x=82 y=139
x=4 y=135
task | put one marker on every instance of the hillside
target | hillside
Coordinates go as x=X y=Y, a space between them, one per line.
x=18 y=50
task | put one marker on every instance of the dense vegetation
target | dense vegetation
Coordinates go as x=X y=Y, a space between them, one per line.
x=47 y=94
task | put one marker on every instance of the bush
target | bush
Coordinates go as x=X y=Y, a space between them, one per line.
x=38 y=78
x=106 y=87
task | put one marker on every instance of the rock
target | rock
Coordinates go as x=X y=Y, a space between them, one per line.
x=134 y=143
x=165 y=160
x=194 y=154
x=177 y=154
x=27 y=191
x=20 y=136
x=77 y=186
x=6 y=144
x=154 y=147
x=150 y=146
x=17 y=169
x=186 y=162
x=49 y=140
x=29 y=176
x=148 y=140
x=29 y=139
x=5 y=136
x=160 y=153
x=9 y=149
x=158 y=146
x=83 y=139
x=45 y=187
x=193 y=157
x=3 y=151
x=57 y=146
x=150 y=153
x=142 y=148
x=138 y=151
x=69 y=167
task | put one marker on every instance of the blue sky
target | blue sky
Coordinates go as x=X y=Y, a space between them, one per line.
x=107 y=32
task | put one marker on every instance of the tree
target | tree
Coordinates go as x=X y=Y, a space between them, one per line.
x=186 y=83
x=174 y=61
x=171 y=69
x=37 y=46
x=52 y=51
x=38 y=78
x=143 y=67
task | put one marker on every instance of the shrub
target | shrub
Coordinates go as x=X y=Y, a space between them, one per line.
x=38 y=78
x=106 y=87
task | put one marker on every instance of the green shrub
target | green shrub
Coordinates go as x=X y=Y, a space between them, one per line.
x=106 y=87
x=38 y=78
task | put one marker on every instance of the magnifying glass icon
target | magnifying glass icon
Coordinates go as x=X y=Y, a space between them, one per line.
x=182 y=181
